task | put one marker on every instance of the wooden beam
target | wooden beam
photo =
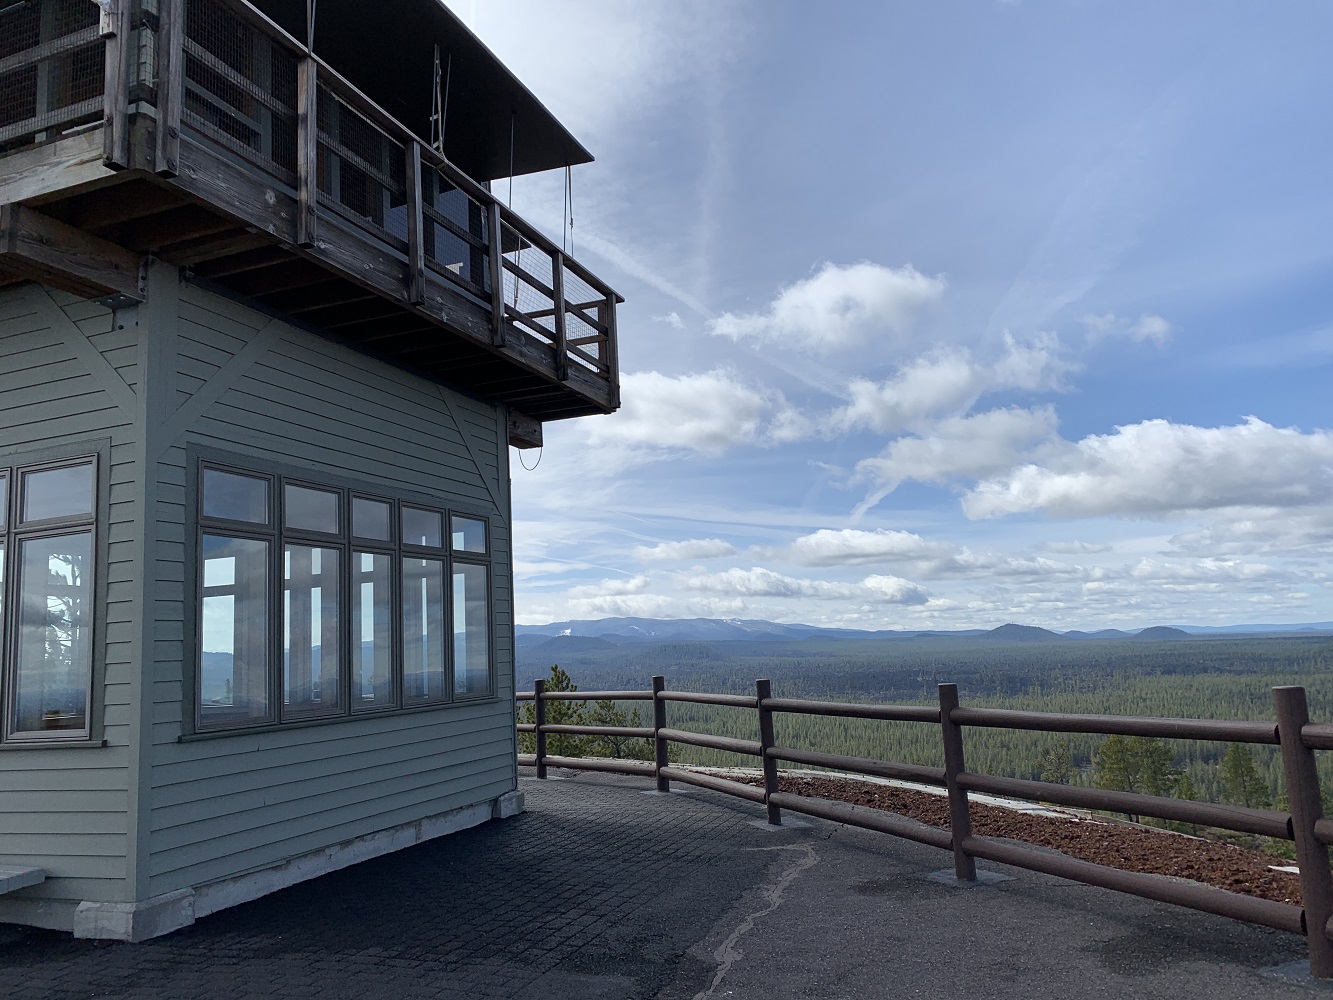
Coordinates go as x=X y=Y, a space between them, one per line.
x=47 y=250
x=55 y=168
x=307 y=151
x=170 y=85
x=524 y=431
x=497 y=276
x=558 y=303
x=207 y=248
x=115 y=21
x=416 y=229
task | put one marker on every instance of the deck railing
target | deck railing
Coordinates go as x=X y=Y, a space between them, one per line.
x=220 y=72
x=1292 y=731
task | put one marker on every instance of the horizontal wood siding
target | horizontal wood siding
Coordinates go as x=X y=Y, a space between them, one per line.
x=68 y=377
x=257 y=388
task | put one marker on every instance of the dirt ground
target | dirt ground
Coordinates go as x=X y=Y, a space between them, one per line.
x=1125 y=846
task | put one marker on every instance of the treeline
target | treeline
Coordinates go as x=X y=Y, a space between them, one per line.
x=1206 y=678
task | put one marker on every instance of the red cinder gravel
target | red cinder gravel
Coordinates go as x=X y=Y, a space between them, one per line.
x=1132 y=848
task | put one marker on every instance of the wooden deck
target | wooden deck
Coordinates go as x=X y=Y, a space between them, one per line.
x=262 y=172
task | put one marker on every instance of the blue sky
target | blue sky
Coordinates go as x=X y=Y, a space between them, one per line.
x=941 y=314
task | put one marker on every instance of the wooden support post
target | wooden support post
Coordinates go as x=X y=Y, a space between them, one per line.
x=612 y=351
x=660 y=758
x=307 y=151
x=115 y=28
x=1298 y=766
x=960 y=819
x=416 y=226
x=497 y=275
x=170 y=85
x=763 y=690
x=539 y=716
x=558 y=303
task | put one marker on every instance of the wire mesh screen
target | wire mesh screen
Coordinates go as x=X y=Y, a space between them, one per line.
x=527 y=283
x=585 y=326
x=240 y=87
x=456 y=234
x=361 y=168
x=52 y=69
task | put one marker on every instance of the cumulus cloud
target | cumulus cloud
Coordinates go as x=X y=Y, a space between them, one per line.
x=981 y=444
x=949 y=381
x=1074 y=547
x=919 y=556
x=671 y=319
x=1159 y=467
x=689 y=548
x=707 y=412
x=837 y=307
x=1148 y=327
x=761 y=582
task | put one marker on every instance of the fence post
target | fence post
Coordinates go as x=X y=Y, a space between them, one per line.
x=539 y=716
x=659 y=744
x=763 y=690
x=960 y=819
x=1298 y=766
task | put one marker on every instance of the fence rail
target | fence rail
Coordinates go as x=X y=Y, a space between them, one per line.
x=1292 y=731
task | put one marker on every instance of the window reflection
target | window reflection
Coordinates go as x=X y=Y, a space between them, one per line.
x=372 y=630
x=310 y=631
x=469 y=534
x=472 y=630
x=54 y=662
x=233 y=497
x=52 y=493
x=233 y=668
x=423 y=630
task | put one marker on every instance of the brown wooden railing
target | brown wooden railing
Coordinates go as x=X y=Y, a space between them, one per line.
x=1292 y=731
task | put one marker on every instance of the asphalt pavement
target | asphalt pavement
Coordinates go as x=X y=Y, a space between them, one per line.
x=603 y=892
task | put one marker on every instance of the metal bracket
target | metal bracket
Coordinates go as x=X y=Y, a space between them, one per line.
x=109 y=22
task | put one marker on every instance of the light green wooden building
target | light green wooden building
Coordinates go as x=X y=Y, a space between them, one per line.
x=265 y=340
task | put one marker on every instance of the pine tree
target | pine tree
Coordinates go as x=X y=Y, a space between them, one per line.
x=1135 y=764
x=558 y=713
x=1240 y=778
x=1057 y=761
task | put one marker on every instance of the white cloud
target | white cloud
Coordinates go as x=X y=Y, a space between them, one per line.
x=1074 y=547
x=973 y=446
x=852 y=546
x=1158 y=467
x=836 y=307
x=706 y=412
x=1147 y=327
x=671 y=319
x=1262 y=531
x=949 y=381
x=690 y=548
x=760 y=582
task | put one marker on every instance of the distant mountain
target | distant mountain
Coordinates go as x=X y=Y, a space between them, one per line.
x=1022 y=633
x=651 y=631
x=1160 y=632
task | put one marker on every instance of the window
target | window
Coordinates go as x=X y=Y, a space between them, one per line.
x=47 y=547
x=319 y=602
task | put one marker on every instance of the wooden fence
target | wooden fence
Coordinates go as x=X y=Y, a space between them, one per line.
x=1292 y=731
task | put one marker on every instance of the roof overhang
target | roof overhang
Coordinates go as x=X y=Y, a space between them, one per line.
x=387 y=50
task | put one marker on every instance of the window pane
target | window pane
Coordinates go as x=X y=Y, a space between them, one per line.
x=372 y=630
x=469 y=534
x=235 y=498
x=423 y=631
x=58 y=493
x=472 y=631
x=233 y=667
x=54 y=663
x=310 y=631
x=311 y=510
x=4 y=501
x=422 y=527
x=370 y=518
